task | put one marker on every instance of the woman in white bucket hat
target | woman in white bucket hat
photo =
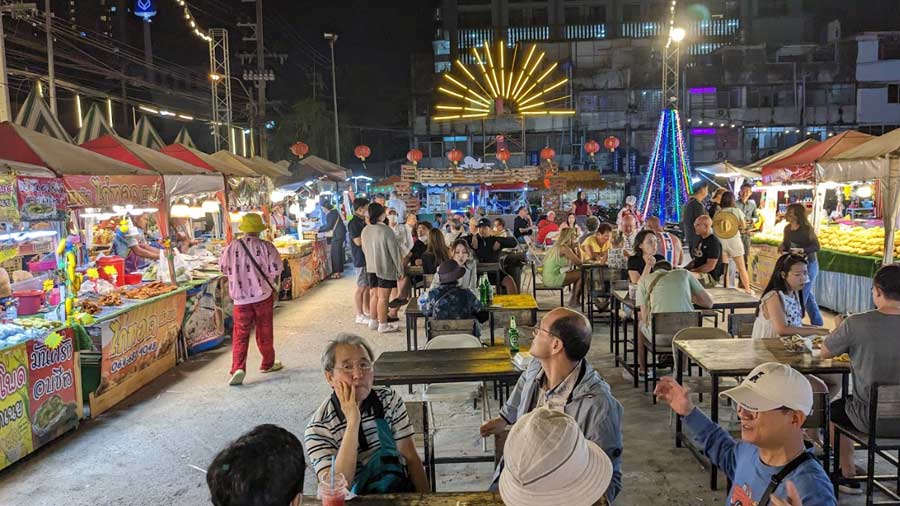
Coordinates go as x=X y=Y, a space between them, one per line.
x=549 y=461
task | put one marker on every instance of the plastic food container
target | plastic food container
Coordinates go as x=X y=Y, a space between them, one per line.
x=47 y=265
x=118 y=263
x=30 y=301
x=134 y=279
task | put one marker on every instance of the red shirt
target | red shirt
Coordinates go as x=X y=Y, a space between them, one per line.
x=544 y=228
x=582 y=208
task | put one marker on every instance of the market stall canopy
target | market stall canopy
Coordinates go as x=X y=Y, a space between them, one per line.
x=197 y=158
x=800 y=166
x=726 y=170
x=35 y=115
x=94 y=125
x=270 y=168
x=192 y=185
x=184 y=137
x=140 y=156
x=146 y=135
x=19 y=144
x=311 y=167
x=866 y=161
x=25 y=169
x=245 y=163
x=756 y=167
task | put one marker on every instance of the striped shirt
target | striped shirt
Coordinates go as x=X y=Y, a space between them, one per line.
x=325 y=431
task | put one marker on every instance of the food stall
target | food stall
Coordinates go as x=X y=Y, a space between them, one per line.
x=560 y=189
x=852 y=249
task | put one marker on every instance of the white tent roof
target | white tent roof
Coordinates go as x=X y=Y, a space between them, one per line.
x=727 y=170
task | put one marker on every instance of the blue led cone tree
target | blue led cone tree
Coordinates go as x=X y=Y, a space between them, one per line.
x=668 y=177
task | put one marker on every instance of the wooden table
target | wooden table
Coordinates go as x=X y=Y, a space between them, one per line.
x=737 y=357
x=519 y=302
x=434 y=499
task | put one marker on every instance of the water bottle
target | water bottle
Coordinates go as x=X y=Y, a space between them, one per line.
x=513 y=337
x=12 y=311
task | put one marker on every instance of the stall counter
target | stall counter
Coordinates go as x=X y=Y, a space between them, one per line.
x=303 y=268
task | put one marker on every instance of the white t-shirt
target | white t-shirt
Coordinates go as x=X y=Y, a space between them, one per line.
x=399 y=206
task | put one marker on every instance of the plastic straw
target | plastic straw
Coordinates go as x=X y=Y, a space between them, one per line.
x=332 y=472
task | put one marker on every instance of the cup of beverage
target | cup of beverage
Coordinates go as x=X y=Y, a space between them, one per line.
x=334 y=495
x=632 y=290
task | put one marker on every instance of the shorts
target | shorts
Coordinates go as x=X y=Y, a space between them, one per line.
x=839 y=415
x=733 y=247
x=362 y=280
x=376 y=282
x=662 y=341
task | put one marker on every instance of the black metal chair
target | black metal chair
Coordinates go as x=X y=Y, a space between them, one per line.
x=662 y=324
x=741 y=324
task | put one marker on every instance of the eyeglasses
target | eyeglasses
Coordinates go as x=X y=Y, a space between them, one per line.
x=363 y=367
x=753 y=414
x=545 y=331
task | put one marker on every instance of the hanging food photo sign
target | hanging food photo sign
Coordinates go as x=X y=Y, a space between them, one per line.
x=41 y=198
x=9 y=205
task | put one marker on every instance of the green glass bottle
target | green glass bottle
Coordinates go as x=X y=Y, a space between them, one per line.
x=513 y=336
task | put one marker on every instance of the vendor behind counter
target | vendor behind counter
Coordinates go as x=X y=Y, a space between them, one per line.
x=132 y=245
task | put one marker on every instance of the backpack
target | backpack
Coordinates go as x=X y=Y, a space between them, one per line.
x=385 y=472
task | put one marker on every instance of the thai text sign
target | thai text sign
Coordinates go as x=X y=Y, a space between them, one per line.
x=51 y=385
x=107 y=191
x=15 y=430
x=41 y=198
x=9 y=206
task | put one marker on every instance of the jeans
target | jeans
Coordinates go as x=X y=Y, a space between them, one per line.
x=245 y=316
x=809 y=298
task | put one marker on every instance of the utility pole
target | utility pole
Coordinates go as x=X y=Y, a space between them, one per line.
x=15 y=10
x=51 y=72
x=261 y=68
x=332 y=38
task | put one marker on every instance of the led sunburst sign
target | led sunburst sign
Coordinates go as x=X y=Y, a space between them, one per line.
x=503 y=86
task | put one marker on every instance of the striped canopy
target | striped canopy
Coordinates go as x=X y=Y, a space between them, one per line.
x=184 y=138
x=147 y=136
x=35 y=115
x=94 y=125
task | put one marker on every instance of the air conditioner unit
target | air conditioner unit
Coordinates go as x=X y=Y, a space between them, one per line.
x=721 y=113
x=721 y=155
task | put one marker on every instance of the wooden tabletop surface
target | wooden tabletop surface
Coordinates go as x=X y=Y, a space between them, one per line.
x=519 y=302
x=723 y=298
x=445 y=366
x=740 y=356
x=434 y=499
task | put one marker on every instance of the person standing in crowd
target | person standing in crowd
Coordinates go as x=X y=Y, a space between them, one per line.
x=413 y=258
x=665 y=290
x=439 y=222
x=870 y=339
x=751 y=214
x=628 y=227
x=280 y=221
x=361 y=428
x=690 y=211
x=595 y=248
x=707 y=253
x=380 y=199
x=264 y=467
x=772 y=402
x=355 y=227
x=384 y=263
x=547 y=226
x=733 y=247
x=522 y=226
x=561 y=265
x=560 y=378
x=488 y=248
x=643 y=256
x=780 y=311
x=252 y=266
x=405 y=232
x=397 y=204
x=628 y=210
x=799 y=237
x=462 y=254
x=183 y=230
x=581 y=209
x=668 y=245
x=132 y=245
x=715 y=202
x=455 y=230
x=336 y=232
x=449 y=300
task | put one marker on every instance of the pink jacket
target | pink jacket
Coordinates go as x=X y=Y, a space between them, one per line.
x=245 y=284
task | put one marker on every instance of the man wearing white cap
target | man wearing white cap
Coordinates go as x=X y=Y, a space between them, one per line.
x=560 y=378
x=549 y=461
x=769 y=465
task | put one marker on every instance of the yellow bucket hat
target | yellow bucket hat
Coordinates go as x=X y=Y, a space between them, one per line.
x=251 y=223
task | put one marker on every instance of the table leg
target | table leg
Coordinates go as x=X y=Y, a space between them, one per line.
x=583 y=297
x=429 y=448
x=410 y=321
x=614 y=327
x=714 y=416
x=415 y=333
x=634 y=319
x=679 y=376
x=845 y=386
x=492 y=327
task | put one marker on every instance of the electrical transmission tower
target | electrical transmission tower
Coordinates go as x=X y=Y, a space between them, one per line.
x=221 y=89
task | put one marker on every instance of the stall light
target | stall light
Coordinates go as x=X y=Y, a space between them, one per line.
x=695 y=179
x=294 y=209
x=166 y=113
x=210 y=206
x=148 y=109
x=30 y=235
x=180 y=211
x=278 y=195
x=78 y=110
x=186 y=117
x=864 y=191
x=109 y=114
x=310 y=206
x=831 y=185
x=196 y=213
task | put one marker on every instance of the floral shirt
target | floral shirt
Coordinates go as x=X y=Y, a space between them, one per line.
x=450 y=302
x=245 y=285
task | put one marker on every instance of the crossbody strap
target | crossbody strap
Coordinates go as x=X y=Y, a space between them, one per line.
x=258 y=268
x=781 y=475
x=651 y=287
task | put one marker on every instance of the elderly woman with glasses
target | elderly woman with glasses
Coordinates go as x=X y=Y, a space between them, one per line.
x=363 y=430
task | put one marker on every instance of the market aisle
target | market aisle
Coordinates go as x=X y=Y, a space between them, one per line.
x=143 y=451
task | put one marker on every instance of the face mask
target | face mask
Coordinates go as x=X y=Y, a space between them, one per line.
x=392 y=220
x=423 y=237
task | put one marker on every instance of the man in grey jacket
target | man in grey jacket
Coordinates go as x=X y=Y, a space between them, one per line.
x=562 y=379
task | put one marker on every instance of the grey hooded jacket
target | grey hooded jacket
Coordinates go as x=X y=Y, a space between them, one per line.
x=591 y=404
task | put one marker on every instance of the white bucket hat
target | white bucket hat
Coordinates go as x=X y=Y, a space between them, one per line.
x=547 y=460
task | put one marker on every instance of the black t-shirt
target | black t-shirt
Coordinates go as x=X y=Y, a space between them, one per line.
x=803 y=237
x=355 y=227
x=519 y=224
x=485 y=251
x=417 y=251
x=637 y=263
x=706 y=249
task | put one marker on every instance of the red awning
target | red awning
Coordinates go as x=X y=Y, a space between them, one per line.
x=800 y=166
x=133 y=153
x=185 y=154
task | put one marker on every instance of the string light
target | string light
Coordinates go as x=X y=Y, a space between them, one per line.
x=192 y=22
x=666 y=184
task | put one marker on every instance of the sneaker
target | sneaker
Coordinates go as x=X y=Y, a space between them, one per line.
x=373 y=324
x=237 y=378
x=362 y=319
x=397 y=303
x=385 y=328
x=276 y=366
x=850 y=487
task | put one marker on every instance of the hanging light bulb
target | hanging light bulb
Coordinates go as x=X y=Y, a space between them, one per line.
x=864 y=191
x=180 y=211
x=210 y=206
x=196 y=213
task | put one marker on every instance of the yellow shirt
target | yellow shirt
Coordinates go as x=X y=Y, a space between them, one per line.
x=590 y=247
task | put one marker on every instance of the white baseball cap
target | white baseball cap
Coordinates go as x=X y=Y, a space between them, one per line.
x=771 y=386
x=547 y=460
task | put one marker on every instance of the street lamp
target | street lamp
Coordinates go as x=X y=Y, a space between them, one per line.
x=332 y=38
x=677 y=34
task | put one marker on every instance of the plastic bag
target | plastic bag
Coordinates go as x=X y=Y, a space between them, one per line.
x=182 y=269
x=99 y=287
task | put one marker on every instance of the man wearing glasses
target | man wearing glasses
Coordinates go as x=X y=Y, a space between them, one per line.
x=360 y=427
x=562 y=379
x=769 y=464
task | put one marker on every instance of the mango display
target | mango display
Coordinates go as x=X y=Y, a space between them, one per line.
x=852 y=240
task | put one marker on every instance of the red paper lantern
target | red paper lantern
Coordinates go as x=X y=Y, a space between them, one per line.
x=362 y=152
x=611 y=143
x=414 y=156
x=299 y=149
x=547 y=153
x=455 y=156
x=503 y=155
x=591 y=147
